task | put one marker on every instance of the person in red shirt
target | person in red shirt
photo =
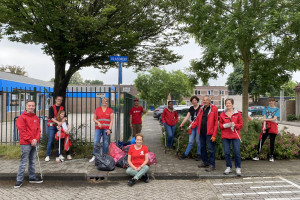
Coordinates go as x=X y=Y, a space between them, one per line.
x=136 y=117
x=103 y=118
x=231 y=123
x=169 y=119
x=30 y=132
x=137 y=160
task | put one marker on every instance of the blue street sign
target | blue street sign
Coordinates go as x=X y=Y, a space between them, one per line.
x=118 y=58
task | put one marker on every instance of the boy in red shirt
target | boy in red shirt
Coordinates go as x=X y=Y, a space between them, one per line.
x=136 y=117
x=30 y=132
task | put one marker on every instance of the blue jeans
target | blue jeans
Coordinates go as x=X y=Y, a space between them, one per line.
x=98 y=134
x=171 y=132
x=205 y=139
x=51 y=134
x=28 y=152
x=192 y=137
x=236 y=151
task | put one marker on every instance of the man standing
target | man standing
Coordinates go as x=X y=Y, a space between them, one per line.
x=207 y=122
x=53 y=123
x=136 y=117
x=30 y=133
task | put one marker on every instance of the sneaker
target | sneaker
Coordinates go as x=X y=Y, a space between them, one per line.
x=131 y=182
x=198 y=158
x=36 y=180
x=61 y=158
x=256 y=158
x=271 y=159
x=210 y=168
x=69 y=157
x=203 y=165
x=238 y=171
x=18 y=184
x=57 y=159
x=182 y=157
x=47 y=159
x=227 y=170
x=92 y=159
x=145 y=178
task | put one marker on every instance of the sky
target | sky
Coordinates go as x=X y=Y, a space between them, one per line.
x=40 y=66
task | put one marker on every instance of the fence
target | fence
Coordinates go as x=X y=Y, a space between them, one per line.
x=80 y=104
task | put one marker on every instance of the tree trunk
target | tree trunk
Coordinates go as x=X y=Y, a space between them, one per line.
x=60 y=84
x=246 y=82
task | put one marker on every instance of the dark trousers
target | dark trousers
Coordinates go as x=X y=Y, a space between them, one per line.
x=206 y=140
x=272 y=142
x=62 y=140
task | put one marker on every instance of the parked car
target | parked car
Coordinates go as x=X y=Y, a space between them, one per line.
x=256 y=110
x=158 y=111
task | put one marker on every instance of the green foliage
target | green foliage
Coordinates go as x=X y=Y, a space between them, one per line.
x=157 y=84
x=14 y=69
x=293 y=118
x=76 y=79
x=83 y=33
x=10 y=151
x=287 y=145
x=93 y=82
x=263 y=35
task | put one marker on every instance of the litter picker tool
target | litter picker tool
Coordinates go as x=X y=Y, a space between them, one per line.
x=37 y=154
x=234 y=130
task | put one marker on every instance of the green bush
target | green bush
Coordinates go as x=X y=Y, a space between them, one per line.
x=292 y=118
x=287 y=145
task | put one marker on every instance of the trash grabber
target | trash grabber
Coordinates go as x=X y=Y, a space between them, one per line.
x=59 y=143
x=37 y=154
x=234 y=129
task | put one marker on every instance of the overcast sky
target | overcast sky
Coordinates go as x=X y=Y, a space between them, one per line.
x=41 y=66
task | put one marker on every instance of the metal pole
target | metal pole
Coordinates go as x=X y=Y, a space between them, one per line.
x=282 y=107
x=118 y=102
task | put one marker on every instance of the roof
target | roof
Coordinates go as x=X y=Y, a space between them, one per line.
x=18 y=81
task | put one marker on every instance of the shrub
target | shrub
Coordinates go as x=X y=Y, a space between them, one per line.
x=292 y=118
x=287 y=145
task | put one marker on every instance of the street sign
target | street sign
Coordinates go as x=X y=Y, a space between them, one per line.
x=118 y=58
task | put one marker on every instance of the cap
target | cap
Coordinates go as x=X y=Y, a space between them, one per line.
x=136 y=99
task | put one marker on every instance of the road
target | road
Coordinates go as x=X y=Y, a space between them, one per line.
x=238 y=188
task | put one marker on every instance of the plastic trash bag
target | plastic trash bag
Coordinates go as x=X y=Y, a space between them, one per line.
x=122 y=162
x=126 y=148
x=115 y=151
x=104 y=162
x=152 y=159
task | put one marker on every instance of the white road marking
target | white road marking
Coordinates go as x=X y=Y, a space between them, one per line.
x=275 y=186
x=249 y=182
x=290 y=182
x=296 y=198
x=260 y=193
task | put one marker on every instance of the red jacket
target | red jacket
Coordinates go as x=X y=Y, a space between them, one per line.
x=212 y=121
x=29 y=128
x=227 y=133
x=168 y=117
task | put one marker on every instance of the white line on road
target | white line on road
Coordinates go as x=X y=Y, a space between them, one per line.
x=249 y=182
x=290 y=182
x=275 y=186
x=296 y=198
x=261 y=193
x=258 y=177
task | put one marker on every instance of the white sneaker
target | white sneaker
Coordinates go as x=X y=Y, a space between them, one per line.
x=61 y=158
x=271 y=159
x=255 y=158
x=227 y=170
x=57 y=159
x=69 y=157
x=92 y=159
x=47 y=159
x=238 y=171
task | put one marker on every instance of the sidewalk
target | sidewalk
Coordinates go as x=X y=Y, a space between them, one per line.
x=168 y=166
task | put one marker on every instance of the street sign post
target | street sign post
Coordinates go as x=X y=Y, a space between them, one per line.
x=119 y=59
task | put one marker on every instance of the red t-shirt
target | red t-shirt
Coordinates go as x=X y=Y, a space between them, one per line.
x=103 y=117
x=136 y=114
x=137 y=156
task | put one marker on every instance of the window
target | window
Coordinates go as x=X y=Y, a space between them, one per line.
x=126 y=89
x=197 y=92
x=221 y=92
x=210 y=92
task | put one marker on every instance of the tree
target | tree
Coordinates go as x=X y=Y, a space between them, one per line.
x=93 y=82
x=156 y=85
x=257 y=32
x=14 y=69
x=83 y=33
x=76 y=79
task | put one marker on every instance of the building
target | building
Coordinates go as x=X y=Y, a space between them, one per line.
x=297 y=91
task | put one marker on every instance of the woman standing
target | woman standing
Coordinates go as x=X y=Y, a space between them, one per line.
x=169 y=119
x=137 y=160
x=231 y=123
x=270 y=128
x=193 y=112
x=103 y=118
